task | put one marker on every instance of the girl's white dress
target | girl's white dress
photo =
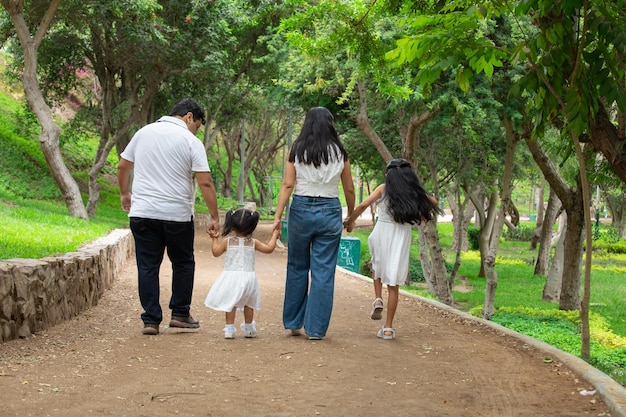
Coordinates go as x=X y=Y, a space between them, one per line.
x=237 y=285
x=389 y=245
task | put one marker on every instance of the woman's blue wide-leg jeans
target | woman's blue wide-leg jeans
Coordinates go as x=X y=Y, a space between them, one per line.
x=313 y=237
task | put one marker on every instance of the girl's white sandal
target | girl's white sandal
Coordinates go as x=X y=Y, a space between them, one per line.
x=382 y=333
x=377 y=309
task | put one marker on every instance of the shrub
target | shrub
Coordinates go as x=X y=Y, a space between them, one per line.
x=472 y=237
x=521 y=233
x=609 y=243
x=416 y=274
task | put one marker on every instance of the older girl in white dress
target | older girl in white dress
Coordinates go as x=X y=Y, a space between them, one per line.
x=402 y=202
x=237 y=286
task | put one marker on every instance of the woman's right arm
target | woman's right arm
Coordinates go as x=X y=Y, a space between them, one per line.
x=286 y=188
x=358 y=210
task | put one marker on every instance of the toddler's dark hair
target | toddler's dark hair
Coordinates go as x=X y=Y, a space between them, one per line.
x=406 y=199
x=242 y=221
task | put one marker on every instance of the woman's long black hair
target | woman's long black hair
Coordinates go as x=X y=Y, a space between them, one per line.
x=406 y=199
x=317 y=139
x=242 y=221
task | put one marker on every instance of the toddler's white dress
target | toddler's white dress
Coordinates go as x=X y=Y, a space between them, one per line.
x=237 y=285
x=390 y=245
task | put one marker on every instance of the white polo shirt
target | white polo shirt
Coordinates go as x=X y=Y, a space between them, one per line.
x=165 y=156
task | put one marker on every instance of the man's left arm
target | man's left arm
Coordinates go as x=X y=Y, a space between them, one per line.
x=207 y=188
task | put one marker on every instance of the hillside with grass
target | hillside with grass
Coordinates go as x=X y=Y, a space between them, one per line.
x=34 y=221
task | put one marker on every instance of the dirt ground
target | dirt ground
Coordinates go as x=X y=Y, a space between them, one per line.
x=440 y=364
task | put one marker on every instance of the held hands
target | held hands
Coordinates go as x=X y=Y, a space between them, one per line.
x=213 y=227
x=277 y=226
x=348 y=225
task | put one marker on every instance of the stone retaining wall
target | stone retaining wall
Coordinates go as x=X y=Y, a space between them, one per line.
x=36 y=294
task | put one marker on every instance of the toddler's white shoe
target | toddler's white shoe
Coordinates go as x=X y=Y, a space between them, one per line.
x=229 y=331
x=249 y=329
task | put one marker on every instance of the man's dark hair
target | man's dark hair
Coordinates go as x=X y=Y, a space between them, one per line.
x=188 y=105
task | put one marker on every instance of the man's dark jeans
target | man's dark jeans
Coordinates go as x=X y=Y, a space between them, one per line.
x=152 y=237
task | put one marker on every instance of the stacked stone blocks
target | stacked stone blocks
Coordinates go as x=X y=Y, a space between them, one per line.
x=36 y=294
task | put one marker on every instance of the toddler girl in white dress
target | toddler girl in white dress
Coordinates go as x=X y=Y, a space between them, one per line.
x=237 y=286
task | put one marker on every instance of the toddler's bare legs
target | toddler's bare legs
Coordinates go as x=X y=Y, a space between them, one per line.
x=229 y=329
x=248 y=314
x=230 y=316
x=249 y=327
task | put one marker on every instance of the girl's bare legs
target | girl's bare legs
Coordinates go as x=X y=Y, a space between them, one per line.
x=377 y=306
x=392 y=305
x=378 y=288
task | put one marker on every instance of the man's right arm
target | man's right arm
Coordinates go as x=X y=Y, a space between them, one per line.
x=123 y=180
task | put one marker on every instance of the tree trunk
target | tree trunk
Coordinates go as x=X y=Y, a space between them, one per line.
x=572 y=200
x=460 y=233
x=505 y=198
x=540 y=215
x=362 y=120
x=427 y=269
x=552 y=287
x=491 y=281
x=443 y=286
x=617 y=208
x=462 y=214
x=486 y=228
x=606 y=139
x=545 y=240
x=573 y=244
x=49 y=137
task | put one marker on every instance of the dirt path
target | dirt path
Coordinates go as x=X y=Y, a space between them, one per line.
x=99 y=364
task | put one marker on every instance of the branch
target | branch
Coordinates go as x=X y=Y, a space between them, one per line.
x=45 y=22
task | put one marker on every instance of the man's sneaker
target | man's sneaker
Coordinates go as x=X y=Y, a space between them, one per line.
x=150 y=329
x=184 y=322
x=249 y=329
x=229 y=332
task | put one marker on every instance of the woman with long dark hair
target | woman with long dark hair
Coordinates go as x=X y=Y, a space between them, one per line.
x=316 y=163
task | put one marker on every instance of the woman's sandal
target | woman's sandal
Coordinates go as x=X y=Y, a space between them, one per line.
x=382 y=333
x=377 y=309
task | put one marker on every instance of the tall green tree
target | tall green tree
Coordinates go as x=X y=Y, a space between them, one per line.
x=133 y=47
x=574 y=55
x=31 y=22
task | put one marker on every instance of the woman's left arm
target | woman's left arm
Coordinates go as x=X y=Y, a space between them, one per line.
x=348 y=186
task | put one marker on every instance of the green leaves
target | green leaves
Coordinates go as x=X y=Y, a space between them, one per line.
x=575 y=53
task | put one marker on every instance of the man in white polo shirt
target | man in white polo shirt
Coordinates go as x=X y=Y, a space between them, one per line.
x=166 y=156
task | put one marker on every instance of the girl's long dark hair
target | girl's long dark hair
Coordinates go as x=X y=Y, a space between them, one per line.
x=242 y=221
x=317 y=139
x=406 y=199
